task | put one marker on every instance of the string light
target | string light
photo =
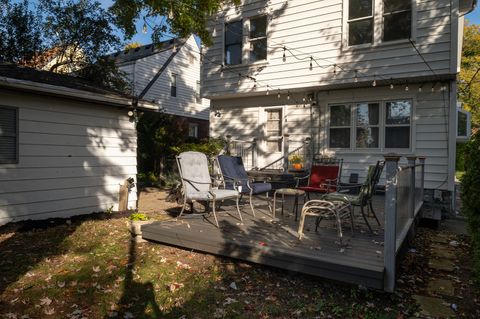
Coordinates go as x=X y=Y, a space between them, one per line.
x=278 y=95
x=374 y=83
x=221 y=68
x=288 y=95
x=355 y=79
x=268 y=92
x=311 y=63
x=334 y=69
x=433 y=87
x=420 y=88
x=239 y=78
x=406 y=87
x=284 y=54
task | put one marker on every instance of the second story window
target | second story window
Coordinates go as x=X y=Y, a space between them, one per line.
x=198 y=93
x=360 y=22
x=173 y=87
x=233 y=42
x=397 y=19
x=258 y=38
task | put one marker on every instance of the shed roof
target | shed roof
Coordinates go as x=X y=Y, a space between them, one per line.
x=146 y=50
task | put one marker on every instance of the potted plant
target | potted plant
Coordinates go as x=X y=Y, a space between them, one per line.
x=136 y=220
x=297 y=161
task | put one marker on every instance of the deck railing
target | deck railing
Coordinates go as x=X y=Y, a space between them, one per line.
x=247 y=150
x=285 y=161
x=403 y=201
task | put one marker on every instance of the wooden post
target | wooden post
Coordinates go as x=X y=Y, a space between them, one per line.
x=307 y=152
x=411 y=162
x=229 y=143
x=254 y=153
x=390 y=241
x=285 y=152
x=422 y=183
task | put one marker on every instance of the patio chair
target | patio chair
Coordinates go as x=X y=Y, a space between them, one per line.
x=235 y=177
x=364 y=197
x=323 y=177
x=197 y=183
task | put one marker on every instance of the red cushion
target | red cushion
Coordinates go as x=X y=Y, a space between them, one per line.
x=321 y=173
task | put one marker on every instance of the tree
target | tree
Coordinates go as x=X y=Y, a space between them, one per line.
x=179 y=17
x=469 y=78
x=132 y=45
x=70 y=36
x=20 y=32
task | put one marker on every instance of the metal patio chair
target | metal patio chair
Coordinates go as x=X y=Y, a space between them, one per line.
x=364 y=197
x=324 y=176
x=197 y=184
x=235 y=176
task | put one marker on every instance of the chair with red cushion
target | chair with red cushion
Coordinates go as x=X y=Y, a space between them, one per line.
x=323 y=178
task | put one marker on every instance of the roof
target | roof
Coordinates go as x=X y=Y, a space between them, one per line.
x=146 y=50
x=30 y=74
x=49 y=83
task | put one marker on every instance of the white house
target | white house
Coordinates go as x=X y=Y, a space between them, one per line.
x=361 y=78
x=65 y=146
x=168 y=74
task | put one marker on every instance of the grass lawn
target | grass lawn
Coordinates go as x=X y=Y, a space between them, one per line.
x=88 y=267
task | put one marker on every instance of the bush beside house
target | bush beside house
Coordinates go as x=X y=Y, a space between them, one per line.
x=470 y=198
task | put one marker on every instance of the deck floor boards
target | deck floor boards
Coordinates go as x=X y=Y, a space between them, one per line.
x=274 y=242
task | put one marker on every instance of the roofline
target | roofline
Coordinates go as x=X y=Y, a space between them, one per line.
x=80 y=95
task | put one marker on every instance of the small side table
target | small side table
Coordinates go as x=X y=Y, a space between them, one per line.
x=288 y=192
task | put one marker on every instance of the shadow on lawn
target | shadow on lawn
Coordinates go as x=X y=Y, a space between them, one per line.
x=32 y=242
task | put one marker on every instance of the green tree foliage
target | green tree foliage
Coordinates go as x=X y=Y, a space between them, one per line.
x=469 y=78
x=63 y=36
x=470 y=192
x=20 y=32
x=179 y=17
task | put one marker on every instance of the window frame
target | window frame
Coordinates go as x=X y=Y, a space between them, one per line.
x=250 y=40
x=173 y=85
x=469 y=125
x=372 y=17
x=242 y=62
x=382 y=127
x=378 y=27
x=17 y=138
x=198 y=92
x=272 y=138
x=195 y=127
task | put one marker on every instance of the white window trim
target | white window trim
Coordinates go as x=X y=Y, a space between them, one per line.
x=377 y=27
x=469 y=125
x=382 y=126
x=245 y=41
x=263 y=122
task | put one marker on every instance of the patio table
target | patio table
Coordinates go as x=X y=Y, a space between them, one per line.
x=288 y=192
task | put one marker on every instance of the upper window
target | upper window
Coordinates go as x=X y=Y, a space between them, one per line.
x=173 y=87
x=233 y=42
x=463 y=124
x=360 y=22
x=397 y=19
x=198 y=93
x=362 y=123
x=8 y=135
x=392 y=19
x=258 y=38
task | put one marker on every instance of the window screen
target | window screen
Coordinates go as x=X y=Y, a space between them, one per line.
x=8 y=135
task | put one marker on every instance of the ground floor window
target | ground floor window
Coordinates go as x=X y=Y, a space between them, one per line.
x=370 y=125
x=8 y=135
x=193 y=130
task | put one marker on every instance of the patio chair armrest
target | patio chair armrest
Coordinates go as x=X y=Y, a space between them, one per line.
x=297 y=183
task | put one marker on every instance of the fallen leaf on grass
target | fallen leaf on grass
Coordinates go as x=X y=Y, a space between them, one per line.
x=182 y=265
x=61 y=284
x=96 y=268
x=49 y=311
x=45 y=301
x=233 y=285
x=229 y=301
x=174 y=286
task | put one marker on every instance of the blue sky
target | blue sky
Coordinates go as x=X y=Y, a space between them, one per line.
x=474 y=17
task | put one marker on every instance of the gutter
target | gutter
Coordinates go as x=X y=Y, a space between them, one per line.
x=79 y=95
x=473 y=5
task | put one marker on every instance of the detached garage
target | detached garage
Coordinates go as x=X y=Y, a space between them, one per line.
x=65 y=146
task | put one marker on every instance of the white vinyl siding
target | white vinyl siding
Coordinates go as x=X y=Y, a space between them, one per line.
x=185 y=103
x=316 y=28
x=73 y=157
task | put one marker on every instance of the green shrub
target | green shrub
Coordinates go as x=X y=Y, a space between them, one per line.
x=210 y=147
x=470 y=195
x=138 y=217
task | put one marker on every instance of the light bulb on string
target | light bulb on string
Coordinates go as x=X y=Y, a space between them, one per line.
x=311 y=63
x=420 y=88
x=355 y=79
x=433 y=87
x=334 y=69
x=284 y=55
x=374 y=83
x=268 y=92
x=391 y=84
x=278 y=95
x=288 y=95
x=239 y=79
x=406 y=87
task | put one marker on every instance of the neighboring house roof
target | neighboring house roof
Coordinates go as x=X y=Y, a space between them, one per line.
x=29 y=79
x=146 y=50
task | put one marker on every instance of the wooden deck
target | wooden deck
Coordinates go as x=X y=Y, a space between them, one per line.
x=274 y=242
